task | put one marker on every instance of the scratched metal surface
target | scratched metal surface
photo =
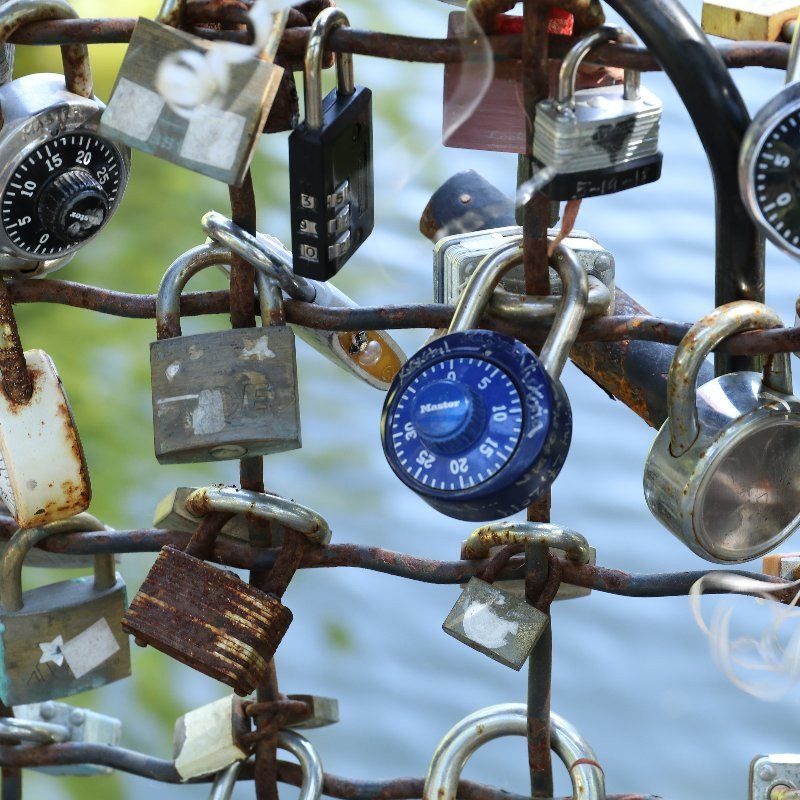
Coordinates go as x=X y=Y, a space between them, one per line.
x=634 y=675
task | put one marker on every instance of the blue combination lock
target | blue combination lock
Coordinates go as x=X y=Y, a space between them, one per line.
x=474 y=422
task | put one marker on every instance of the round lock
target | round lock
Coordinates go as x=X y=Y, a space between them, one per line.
x=476 y=426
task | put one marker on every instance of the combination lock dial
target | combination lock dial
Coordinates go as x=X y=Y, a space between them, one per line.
x=61 y=193
x=469 y=425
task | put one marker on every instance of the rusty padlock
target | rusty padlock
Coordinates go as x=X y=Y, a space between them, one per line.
x=209 y=618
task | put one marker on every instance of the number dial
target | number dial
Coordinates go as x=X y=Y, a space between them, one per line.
x=769 y=170
x=475 y=426
x=62 y=193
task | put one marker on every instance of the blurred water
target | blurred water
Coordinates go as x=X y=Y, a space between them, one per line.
x=634 y=675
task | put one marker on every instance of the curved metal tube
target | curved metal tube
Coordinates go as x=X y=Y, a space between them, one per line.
x=690 y=354
x=483 y=539
x=20 y=544
x=569 y=317
x=264 y=506
x=224 y=781
x=793 y=66
x=15 y=730
x=565 y=97
x=510 y=719
x=261 y=252
x=310 y=763
x=721 y=119
x=77 y=68
x=532 y=308
x=326 y=21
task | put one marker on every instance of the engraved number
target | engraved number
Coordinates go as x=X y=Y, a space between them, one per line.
x=410 y=432
x=458 y=465
x=425 y=459
x=84 y=157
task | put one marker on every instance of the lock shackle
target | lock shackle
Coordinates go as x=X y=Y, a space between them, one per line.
x=14 y=730
x=511 y=719
x=19 y=546
x=75 y=57
x=569 y=315
x=565 y=96
x=224 y=782
x=793 y=64
x=310 y=763
x=172 y=13
x=326 y=21
x=264 y=253
x=690 y=354
x=270 y=300
x=269 y=507
x=483 y=539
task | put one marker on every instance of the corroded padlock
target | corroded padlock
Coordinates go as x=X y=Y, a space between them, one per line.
x=721 y=474
x=209 y=618
x=43 y=473
x=63 y=638
x=196 y=103
x=596 y=141
x=81 y=726
x=60 y=181
x=222 y=395
x=475 y=423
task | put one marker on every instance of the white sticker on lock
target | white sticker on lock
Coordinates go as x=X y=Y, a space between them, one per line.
x=43 y=475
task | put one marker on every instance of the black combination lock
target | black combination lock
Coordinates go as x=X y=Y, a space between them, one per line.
x=330 y=163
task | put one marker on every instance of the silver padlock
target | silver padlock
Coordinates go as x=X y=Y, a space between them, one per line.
x=82 y=726
x=775 y=777
x=43 y=472
x=721 y=472
x=601 y=140
x=373 y=356
x=563 y=542
x=171 y=514
x=456 y=257
x=511 y=719
x=197 y=103
x=223 y=395
x=60 y=180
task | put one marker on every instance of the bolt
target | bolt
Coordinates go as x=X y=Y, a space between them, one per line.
x=77 y=717
x=603 y=262
x=224 y=452
x=47 y=710
x=464 y=199
x=766 y=771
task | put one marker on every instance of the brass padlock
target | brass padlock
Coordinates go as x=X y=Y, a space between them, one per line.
x=197 y=103
x=223 y=395
x=209 y=618
x=60 y=639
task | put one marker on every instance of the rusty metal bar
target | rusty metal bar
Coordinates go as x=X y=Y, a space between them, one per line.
x=773 y=55
x=16 y=379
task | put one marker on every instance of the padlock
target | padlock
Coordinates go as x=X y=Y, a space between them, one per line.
x=456 y=257
x=774 y=777
x=82 y=726
x=80 y=523
x=171 y=515
x=209 y=738
x=60 y=180
x=224 y=395
x=748 y=20
x=488 y=539
x=475 y=423
x=43 y=472
x=767 y=159
x=721 y=472
x=331 y=180
x=596 y=141
x=373 y=356
x=199 y=104
x=511 y=719
x=209 y=618
x=60 y=639
x=321 y=712
x=496 y=623
x=782 y=565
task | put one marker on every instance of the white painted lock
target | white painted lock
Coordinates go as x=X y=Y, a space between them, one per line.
x=43 y=473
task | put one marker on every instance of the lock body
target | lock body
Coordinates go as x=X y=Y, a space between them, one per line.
x=60 y=179
x=84 y=727
x=224 y=395
x=331 y=184
x=65 y=639
x=208 y=619
x=216 y=137
x=475 y=426
x=43 y=473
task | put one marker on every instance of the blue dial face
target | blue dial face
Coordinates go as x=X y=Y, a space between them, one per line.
x=456 y=423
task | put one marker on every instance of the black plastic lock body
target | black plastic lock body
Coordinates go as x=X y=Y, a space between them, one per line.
x=608 y=180
x=331 y=182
